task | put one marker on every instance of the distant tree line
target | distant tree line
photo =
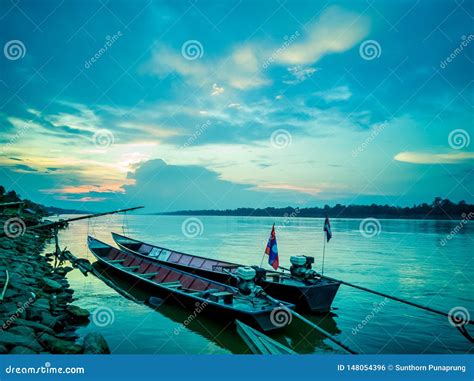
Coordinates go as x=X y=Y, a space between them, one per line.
x=439 y=209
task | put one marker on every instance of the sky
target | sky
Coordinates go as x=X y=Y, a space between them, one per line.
x=222 y=104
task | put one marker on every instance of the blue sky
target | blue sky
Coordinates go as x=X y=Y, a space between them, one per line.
x=200 y=104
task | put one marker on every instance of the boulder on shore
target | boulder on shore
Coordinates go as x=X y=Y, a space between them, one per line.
x=59 y=346
x=77 y=313
x=94 y=343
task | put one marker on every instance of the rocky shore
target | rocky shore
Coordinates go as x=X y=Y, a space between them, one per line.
x=37 y=314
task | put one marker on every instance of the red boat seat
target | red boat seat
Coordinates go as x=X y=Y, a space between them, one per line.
x=200 y=285
x=173 y=276
x=128 y=260
x=162 y=274
x=143 y=267
x=187 y=281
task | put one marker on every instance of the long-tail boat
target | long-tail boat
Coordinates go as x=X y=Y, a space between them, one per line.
x=190 y=290
x=259 y=343
x=301 y=286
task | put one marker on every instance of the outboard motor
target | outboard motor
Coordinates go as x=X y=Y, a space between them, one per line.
x=301 y=267
x=245 y=279
x=261 y=274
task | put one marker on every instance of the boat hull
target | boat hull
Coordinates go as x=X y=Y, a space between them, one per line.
x=261 y=319
x=314 y=298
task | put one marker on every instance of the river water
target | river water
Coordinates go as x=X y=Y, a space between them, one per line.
x=413 y=259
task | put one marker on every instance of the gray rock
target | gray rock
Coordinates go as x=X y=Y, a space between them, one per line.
x=38 y=327
x=77 y=313
x=59 y=346
x=22 y=330
x=51 y=285
x=12 y=340
x=22 y=351
x=94 y=343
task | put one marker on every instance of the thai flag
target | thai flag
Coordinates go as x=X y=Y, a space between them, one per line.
x=327 y=229
x=272 y=249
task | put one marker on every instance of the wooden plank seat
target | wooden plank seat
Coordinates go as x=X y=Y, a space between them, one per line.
x=131 y=267
x=226 y=297
x=149 y=275
x=117 y=260
x=176 y=284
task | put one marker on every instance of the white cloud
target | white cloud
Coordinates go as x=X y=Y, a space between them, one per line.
x=335 y=31
x=300 y=74
x=216 y=90
x=434 y=158
x=340 y=93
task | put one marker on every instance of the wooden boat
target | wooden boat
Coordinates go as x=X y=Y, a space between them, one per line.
x=259 y=343
x=309 y=293
x=201 y=295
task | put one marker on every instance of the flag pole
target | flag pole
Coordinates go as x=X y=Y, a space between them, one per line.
x=324 y=252
x=263 y=256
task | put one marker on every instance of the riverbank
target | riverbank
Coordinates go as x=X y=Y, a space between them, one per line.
x=37 y=314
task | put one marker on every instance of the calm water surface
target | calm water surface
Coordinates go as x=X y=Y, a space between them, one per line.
x=407 y=258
